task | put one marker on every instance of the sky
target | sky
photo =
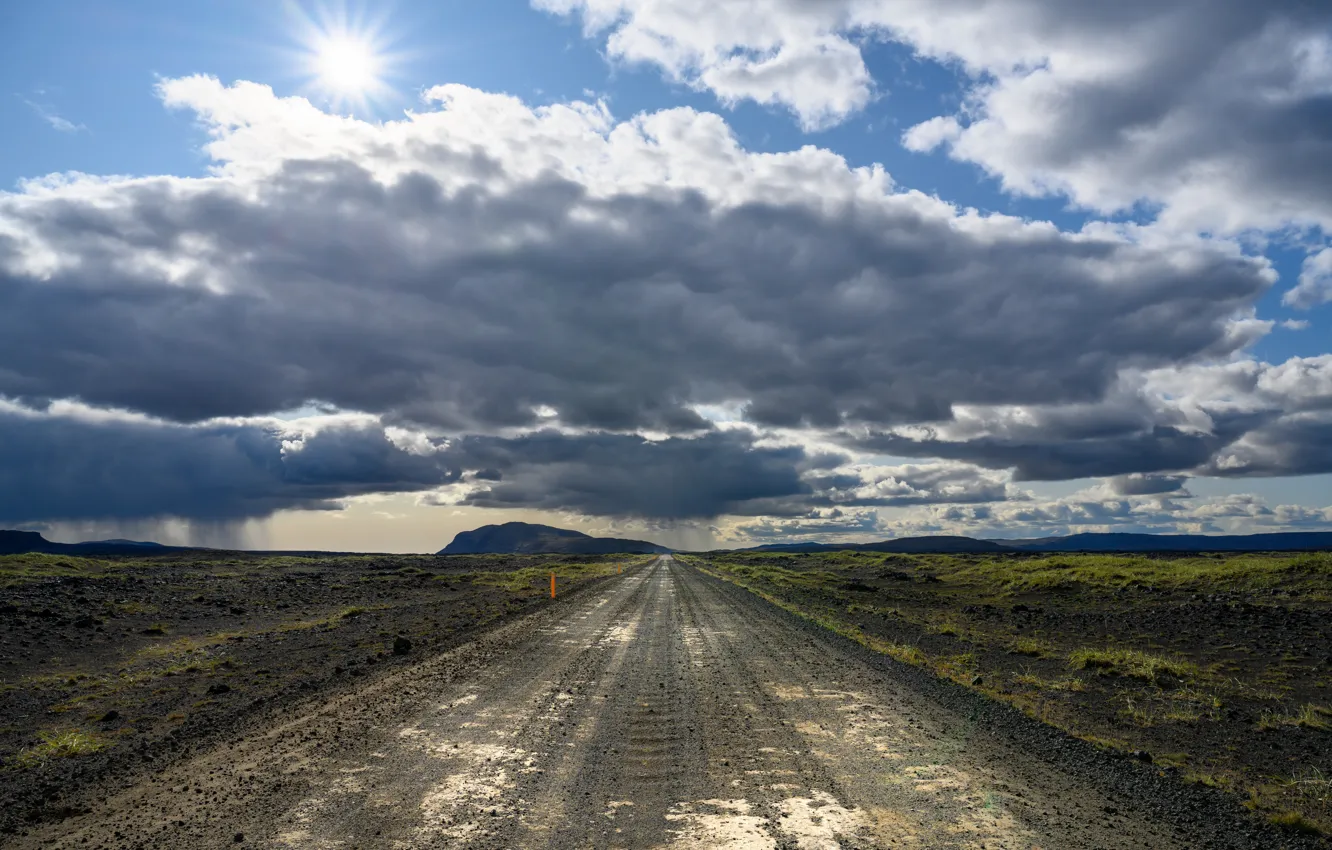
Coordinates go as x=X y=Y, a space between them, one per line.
x=360 y=276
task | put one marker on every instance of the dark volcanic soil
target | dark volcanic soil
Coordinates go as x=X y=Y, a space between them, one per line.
x=1245 y=706
x=150 y=659
x=660 y=708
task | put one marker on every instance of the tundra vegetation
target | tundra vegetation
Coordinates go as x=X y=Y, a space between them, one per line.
x=123 y=664
x=1215 y=668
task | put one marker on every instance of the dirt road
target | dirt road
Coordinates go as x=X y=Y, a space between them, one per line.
x=663 y=708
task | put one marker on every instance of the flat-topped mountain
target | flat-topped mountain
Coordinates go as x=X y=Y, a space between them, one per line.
x=530 y=539
x=21 y=542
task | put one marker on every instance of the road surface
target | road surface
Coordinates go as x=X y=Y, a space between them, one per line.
x=662 y=708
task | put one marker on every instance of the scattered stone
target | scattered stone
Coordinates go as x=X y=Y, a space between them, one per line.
x=219 y=688
x=110 y=716
x=401 y=645
x=238 y=837
x=85 y=622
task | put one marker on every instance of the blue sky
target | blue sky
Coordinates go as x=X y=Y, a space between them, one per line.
x=82 y=79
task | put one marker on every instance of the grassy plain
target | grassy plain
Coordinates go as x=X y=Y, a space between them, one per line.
x=1215 y=668
x=108 y=664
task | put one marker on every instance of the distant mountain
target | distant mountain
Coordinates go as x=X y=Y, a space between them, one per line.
x=1290 y=541
x=901 y=545
x=21 y=542
x=529 y=539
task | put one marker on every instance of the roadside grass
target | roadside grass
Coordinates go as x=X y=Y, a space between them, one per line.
x=957 y=596
x=1009 y=575
x=1113 y=572
x=1068 y=684
x=1296 y=822
x=1030 y=647
x=1182 y=706
x=17 y=570
x=1135 y=663
x=57 y=744
x=537 y=578
x=1309 y=716
x=784 y=577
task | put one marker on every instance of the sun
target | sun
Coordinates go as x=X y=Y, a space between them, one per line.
x=347 y=65
x=347 y=58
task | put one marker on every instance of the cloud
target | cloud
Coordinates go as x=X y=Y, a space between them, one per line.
x=1315 y=286
x=627 y=274
x=823 y=524
x=785 y=54
x=53 y=118
x=1215 y=113
x=1138 y=484
x=1240 y=418
x=867 y=485
x=1093 y=512
x=534 y=307
x=70 y=463
x=716 y=474
x=624 y=475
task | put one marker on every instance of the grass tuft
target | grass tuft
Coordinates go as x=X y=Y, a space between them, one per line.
x=1132 y=662
x=58 y=745
x=1295 y=822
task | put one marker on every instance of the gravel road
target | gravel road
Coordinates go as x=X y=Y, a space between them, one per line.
x=663 y=708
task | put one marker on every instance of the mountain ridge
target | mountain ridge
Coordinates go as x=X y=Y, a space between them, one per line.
x=525 y=538
x=1280 y=541
x=532 y=538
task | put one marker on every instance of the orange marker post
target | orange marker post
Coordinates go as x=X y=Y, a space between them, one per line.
x=619 y=568
x=552 y=585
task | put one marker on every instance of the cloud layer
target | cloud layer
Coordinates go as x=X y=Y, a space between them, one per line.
x=653 y=267
x=548 y=308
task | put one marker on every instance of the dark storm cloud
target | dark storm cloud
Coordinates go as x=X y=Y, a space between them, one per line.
x=616 y=312
x=627 y=476
x=716 y=474
x=68 y=468
x=1154 y=449
x=83 y=465
x=1299 y=444
x=61 y=468
x=1147 y=485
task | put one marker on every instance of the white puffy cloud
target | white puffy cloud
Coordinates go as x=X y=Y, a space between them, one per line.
x=1315 y=286
x=794 y=55
x=1093 y=511
x=1215 y=112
